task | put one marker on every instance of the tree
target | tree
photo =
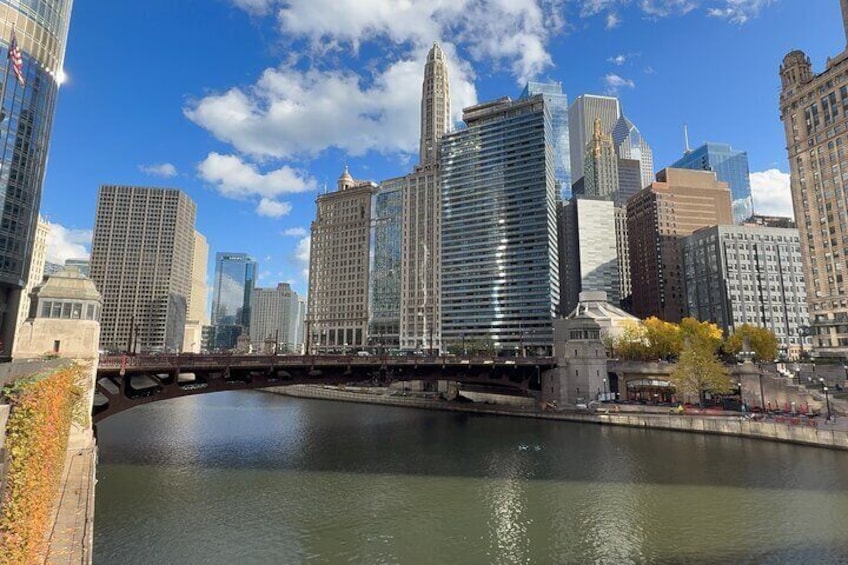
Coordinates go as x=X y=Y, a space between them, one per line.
x=701 y=334
x=699 y=370
x=632 y=343
x=763 y=342
x=663 y=338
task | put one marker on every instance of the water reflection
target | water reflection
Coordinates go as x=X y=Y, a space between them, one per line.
x=257 y=478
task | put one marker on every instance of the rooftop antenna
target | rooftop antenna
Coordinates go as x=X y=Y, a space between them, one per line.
x=686 y=138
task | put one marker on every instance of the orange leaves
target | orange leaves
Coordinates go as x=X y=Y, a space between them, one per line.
x=37 y=439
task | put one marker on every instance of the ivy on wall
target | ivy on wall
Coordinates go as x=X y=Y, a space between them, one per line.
x=42 y=410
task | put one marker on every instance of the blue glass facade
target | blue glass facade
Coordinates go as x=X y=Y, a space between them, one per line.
x=41 y=30
x=235 y=278
x=729 y=166
x=384 y=319
x=557 y=104
x=500 y=271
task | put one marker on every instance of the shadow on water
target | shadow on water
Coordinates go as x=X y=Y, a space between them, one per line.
x=250 y=430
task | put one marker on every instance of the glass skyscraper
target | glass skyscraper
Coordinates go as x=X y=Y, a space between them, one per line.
x=729 y=166
x=557 y=103
x=235 y=278
x=500 y=267
x=41 y=30
x=384 y=320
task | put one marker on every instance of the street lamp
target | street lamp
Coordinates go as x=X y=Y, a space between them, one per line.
x=827 y=402
x=762 y=394
x=605 y=389
x=821 y=383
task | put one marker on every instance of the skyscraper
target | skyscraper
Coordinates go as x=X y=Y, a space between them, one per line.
x=196 y=315
x=557 y=104
x=600 y=165
x=235 y=277
x=500 y=272
x=141 y=261
x=730 y=166
x=36 y=268
x=679 y=202
x=812 y=108
x=41 y=31
x=630 y=144
x=753 y=275
x=274 y=317
x=337 y=317
x=384 y=324
x=581 y=124
x=421 y=239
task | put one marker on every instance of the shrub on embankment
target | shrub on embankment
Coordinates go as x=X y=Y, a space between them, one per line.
x=43 y=408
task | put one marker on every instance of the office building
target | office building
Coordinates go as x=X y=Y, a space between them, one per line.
x=235 y=278
x=51 y=268
x=36 y=268
x=556 y=101
x=29 y=95
x=500 y=272
x=738 y=275
x=730 y=166
x=337 y=316
x=629 y=180
x=384 y=323
x=630 y=144
x=658 y=218
x=581 y=123
x=274 y=317
x=588 y=250
x=622 y=245
x=141 y=262
x=420 y=311
x=196 y=314
x=600 y=165
x=812 y=107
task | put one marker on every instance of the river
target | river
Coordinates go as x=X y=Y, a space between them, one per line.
x=253 y=477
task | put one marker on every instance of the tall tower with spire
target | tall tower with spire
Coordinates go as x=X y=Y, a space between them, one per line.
x=600 y=164
x=420 y=290
x=435 y=105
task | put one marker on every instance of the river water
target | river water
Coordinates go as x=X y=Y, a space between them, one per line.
x=252 y=477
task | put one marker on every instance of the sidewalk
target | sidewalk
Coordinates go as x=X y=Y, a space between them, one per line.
x=73 y=524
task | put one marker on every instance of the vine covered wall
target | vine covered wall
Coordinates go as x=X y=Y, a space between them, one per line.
x=43 y=408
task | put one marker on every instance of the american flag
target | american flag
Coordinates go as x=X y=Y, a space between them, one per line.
x=16 y=60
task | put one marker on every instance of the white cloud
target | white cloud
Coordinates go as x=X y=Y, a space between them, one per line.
x=771 y=192
x=272 y=208
x=295 y=232
x=164 y=170
x=258 y=7
x=615 y=83
x=739 y=11
x=664 y=8
x=613 y=20
x=618 y=60
x=235 y=178
x=301 y=255
x=67 y=243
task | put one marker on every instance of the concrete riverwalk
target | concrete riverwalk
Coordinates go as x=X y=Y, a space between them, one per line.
x=814 y=432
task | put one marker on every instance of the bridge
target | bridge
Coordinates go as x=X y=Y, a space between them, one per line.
x=127 y=381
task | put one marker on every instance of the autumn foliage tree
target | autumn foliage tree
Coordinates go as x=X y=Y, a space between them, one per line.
x=763 y=342
x=699 y=370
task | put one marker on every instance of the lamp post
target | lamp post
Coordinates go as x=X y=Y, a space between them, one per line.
x=605 y=389
x=821 y=383
x=462 y=337
x=827 y=402
x=762 y=394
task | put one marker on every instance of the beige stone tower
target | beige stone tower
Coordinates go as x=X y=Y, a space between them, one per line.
x=812 y=111
x=420 y=312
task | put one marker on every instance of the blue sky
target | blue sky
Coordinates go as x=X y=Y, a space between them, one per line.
x=252 y=106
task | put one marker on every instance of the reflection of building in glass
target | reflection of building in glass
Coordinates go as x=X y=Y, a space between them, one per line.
x=557 y=104
x=500 y=275
x=235 y=277
x=274 y=315
x=729 y=166
x=337 y=318
x=747 y=275
x=384 y=325
x=141 y=259
x=41 y=30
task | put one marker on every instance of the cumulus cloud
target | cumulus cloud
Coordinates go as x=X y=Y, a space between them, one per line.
x=613 y=20
x=67 y=243
x=301 y=255
x=272 y=208
x=615 y=83
x=739 y=11
x=237 y=179
x=771 y=193
x=164 y=170
x=295 y=232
